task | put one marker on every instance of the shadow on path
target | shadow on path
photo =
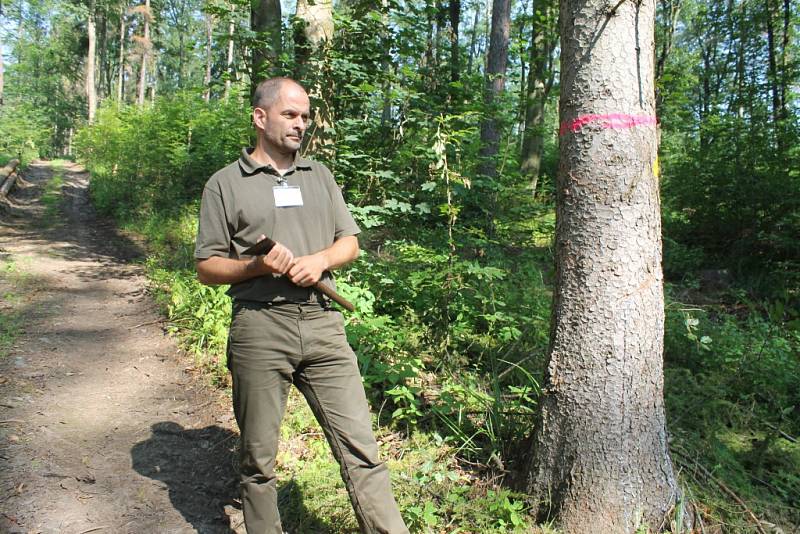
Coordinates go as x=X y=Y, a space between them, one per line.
x=197 y=467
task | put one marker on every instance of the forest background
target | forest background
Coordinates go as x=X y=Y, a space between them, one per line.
x=447 y=150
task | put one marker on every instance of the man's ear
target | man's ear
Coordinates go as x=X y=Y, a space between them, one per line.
x=259 y=118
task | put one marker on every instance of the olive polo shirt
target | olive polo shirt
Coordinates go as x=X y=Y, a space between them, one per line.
x=238 y=206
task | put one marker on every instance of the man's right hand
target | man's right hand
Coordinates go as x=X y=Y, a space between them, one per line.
x=278 y=260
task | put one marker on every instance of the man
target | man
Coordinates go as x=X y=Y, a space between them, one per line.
x=283 y=332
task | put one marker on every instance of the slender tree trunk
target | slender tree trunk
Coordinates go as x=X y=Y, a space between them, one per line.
x=600 y=459
x=121 y=79
x=102 y=38
x=265 y=21
x=209 y=57
x=494 y=86
x=540 y=81
x=91 y=88
x=142 y=87
x=455 y=54
x=473 y=40
x=773 y=68
x=2 y=70
x=229 y=60
x=495 y=83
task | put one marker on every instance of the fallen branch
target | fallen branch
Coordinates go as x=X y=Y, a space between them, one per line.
x=696 y=465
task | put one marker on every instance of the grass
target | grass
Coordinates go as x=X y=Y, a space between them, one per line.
x=13 y=281
x=51 y=198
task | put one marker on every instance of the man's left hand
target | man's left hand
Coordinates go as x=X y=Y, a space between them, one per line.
x=307 y=270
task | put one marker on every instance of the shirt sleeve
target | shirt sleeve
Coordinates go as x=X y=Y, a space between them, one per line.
x=344 y=223
x=213 y=234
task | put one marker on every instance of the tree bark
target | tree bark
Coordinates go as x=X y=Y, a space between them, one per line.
x=600 y=459
x=91 y=88
x=265 y=21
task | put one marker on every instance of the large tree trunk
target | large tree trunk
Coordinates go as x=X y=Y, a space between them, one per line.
x=265 y=21
x=540 y=81
x=91 y=88
x=600 y=459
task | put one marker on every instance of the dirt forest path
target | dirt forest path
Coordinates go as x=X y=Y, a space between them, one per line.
x=104 y=427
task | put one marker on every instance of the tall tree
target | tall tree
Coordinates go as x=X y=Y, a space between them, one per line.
x=2 y=71
x=265 y=22
x=496 y=64
x=91 y=87
x=146 y=45
x=539 y=83
x=121 y=74
x=209 y=20
x=600 y=456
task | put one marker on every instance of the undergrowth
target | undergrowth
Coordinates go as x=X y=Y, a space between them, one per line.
x=451 y=334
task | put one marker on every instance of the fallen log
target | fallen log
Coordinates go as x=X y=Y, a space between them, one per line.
x=8 y=177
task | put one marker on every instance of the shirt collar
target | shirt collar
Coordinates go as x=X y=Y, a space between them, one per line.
x=249 y=166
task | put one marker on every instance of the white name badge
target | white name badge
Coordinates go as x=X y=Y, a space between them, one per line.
x=287 y=196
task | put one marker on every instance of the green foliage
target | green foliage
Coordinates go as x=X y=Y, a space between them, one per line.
x=732 y=398
x=24 y=131
x=155 y=160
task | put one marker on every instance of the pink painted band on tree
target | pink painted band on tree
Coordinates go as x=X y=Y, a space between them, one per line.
x=615 y=121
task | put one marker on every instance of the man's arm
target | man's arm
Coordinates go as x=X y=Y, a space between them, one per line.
x=307 y=270
x=218 y=270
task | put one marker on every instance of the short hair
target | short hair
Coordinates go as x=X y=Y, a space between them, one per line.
x=266 y=92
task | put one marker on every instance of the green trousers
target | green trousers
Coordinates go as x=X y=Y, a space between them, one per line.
x=272 y=347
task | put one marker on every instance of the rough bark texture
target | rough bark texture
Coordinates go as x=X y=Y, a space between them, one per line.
x=265 y=21
x=91 y=88
x=600 y=457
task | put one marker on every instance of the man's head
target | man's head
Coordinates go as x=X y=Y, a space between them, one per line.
x=281 y=113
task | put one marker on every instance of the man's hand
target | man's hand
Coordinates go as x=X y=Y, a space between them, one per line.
x=307 y=270
x=278 y=260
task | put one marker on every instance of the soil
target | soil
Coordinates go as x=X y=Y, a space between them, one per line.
x=105 y=426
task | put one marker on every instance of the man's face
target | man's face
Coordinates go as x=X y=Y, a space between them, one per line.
x=285 y=121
